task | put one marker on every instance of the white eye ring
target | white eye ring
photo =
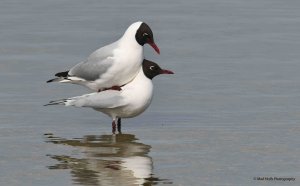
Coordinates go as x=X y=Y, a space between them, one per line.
x=145 y=34
x=151 y=68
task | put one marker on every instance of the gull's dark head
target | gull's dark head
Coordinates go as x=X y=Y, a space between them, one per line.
x=152 y=69
x=144 y=35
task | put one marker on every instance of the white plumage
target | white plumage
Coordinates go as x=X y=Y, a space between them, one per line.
x=112 y=65
x=132 y=100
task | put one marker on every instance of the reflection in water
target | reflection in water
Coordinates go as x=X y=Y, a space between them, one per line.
x=108 y=160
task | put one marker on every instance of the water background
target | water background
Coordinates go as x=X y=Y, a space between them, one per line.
x=229 y=114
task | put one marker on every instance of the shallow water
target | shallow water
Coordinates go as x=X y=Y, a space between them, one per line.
x=108 y=160
x=229 y=114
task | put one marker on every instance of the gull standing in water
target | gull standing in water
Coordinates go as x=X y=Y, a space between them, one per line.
x=132 y=100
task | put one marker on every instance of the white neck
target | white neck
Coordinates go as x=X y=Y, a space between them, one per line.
x=140 y=78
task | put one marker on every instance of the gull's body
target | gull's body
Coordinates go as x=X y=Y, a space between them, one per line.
x=132 y=100
x=112 y=65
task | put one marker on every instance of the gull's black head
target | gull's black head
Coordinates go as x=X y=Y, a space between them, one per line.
x=152 y=69
x=144 y=35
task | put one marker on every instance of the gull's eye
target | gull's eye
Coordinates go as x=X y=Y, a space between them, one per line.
x=152 y=67
x=145 y=34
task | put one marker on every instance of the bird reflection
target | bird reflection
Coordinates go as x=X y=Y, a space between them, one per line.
x=107 y=160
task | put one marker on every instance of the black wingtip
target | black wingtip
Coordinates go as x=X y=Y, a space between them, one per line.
x=59 y=75
x=62 y=74
x=56 y=102
x=51 y=80
x=50 y=104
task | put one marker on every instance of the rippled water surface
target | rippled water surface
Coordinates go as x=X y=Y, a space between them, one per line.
x=229 y=114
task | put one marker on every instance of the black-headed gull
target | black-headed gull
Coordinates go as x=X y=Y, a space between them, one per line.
x=112 y=65
x=132 y=100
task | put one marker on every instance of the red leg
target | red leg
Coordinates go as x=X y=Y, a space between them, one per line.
x=119 y=125
x=118 y=88
x=113 y=125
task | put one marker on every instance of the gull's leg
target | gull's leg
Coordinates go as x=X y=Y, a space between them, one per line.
x=119 y=125
x=118 y=88
x=113 y=126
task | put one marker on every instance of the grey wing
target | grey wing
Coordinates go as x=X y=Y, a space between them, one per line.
x=91 y=71
x=97 y=64
x=105 y=99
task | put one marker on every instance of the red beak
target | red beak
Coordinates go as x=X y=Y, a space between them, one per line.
x=153 y=45
x=164 y=71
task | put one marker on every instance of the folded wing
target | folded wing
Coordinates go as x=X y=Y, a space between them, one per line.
x=96 y=65
x=105 y=99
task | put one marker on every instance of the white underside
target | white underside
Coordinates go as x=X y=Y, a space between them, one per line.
x=137 y=96
x=132 y=100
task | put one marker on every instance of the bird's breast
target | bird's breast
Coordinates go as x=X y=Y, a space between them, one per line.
x=138 y=95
